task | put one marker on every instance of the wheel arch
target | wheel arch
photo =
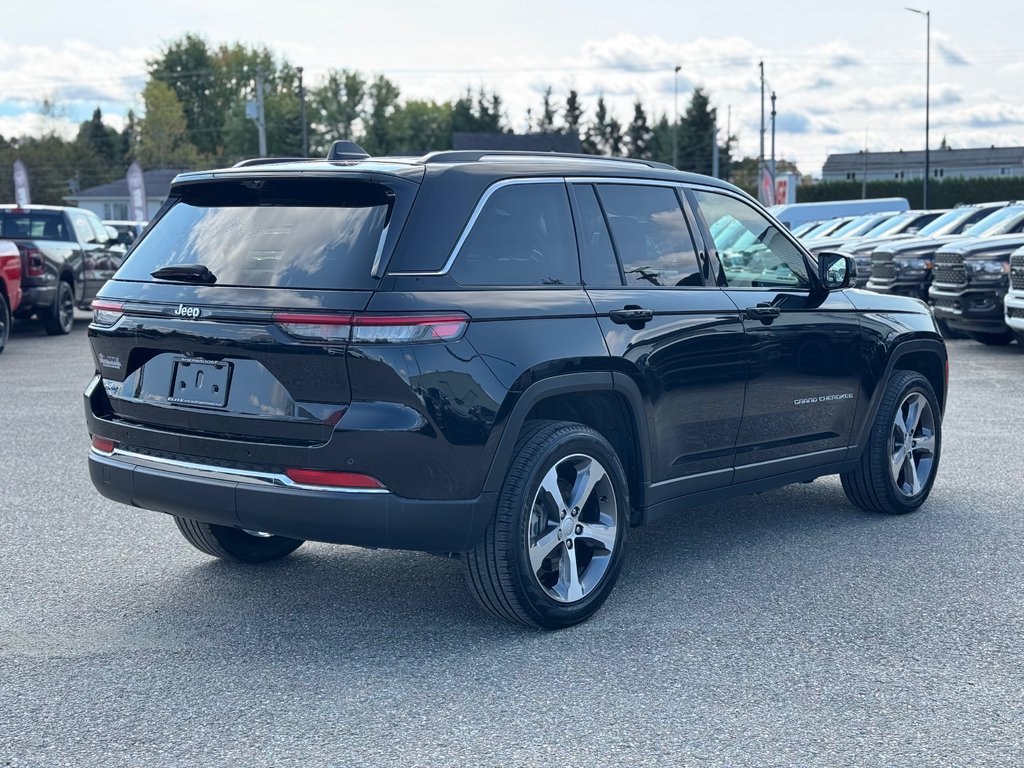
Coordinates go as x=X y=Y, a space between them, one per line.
x=607 y=403
x=925 y=356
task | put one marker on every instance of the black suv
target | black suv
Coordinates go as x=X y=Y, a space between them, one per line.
x=514 y=358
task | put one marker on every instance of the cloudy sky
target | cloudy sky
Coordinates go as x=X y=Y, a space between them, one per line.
x=842 y=71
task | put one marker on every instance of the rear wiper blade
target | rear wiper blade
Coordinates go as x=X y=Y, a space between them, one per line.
x=186 y=273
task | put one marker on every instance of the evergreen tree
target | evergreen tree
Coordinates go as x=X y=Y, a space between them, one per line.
x=697 y=134
x=102 y=140
x=546 y=122
x=638 y=134
x=573 y=113
x=596 y=137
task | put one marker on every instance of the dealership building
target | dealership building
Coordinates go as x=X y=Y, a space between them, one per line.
x=981 y=162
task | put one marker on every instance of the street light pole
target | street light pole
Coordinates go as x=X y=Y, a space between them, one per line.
x=675 y=122
x=927 y=97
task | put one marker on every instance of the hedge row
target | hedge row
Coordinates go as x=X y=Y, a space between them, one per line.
x=941 y=194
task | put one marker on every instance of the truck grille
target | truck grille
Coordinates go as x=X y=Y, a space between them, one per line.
x=945 y=302
x=1015 y=312
x=949 y=269
x=1017 y=272
x=882 y=266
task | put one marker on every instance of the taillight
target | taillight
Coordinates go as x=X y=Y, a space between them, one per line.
x=34 y=266
x=103 y=445
x=372 y=329
x=106 y=312
x=334 y=479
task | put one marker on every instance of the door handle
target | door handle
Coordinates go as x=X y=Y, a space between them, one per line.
x=633 y=316
x=763 y=312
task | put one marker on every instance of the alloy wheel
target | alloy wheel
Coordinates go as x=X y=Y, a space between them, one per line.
x=912 y=444
x=573 y=527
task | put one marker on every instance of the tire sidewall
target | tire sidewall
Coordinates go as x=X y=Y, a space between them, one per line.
x=918 y=384
x=549 y=611
x=5 y=321
x=64 y=290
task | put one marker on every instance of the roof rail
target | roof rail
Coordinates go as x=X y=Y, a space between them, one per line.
x=478 y=155
x=269 y=160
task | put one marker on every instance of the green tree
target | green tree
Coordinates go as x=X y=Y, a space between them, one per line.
x=197 y=77
x=638 y=134
x=163 y=135
x=546 y=121
x=380 y=137
x=596 y=134
x=103 y=141
x=573 y=113
x=336 y=106
x=697 y=134
x=421 y=127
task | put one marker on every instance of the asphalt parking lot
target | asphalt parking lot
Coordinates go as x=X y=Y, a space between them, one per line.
x=782 y=629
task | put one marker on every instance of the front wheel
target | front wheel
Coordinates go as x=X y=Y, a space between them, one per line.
x=234 y=544
x=899 y=462
x=555 y=546
x=60 y=318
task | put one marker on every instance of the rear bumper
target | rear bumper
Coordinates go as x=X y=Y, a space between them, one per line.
x=35 y=298
x=260 y=502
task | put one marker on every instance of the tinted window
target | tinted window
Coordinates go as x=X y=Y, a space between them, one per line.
x=98 y=229
x=37 y=225
x=84 y=232
x=651 y=235
x=600 y=269
x=762 y=256
x=522 y=236
x=310 y=233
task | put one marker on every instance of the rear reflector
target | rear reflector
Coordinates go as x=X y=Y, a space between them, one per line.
x=103 y=445
x=373 y=329
x=334 y=479
x=106 y=312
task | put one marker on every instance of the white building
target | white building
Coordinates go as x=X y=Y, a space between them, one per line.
x=110 y=201
x=944 y=163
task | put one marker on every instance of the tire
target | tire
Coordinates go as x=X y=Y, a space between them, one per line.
x=5 y=321
x=880 y=483
x=234 y=544
x=60 y=318
x=1019 y=336
x=948 y=331
x=551 y=561
x=992 y=339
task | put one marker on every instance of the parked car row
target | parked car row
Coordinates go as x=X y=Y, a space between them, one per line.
x=958 y=260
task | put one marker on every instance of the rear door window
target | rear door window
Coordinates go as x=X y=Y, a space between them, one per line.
x=600 y=267
x=523 y=235
x=271 y=233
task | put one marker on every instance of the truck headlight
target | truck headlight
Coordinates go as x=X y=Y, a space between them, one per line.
x=987 y=270
x=912 y=267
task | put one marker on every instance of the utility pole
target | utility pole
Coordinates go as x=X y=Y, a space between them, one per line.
x=261 y=118
x=771 y=167
x=760 y=156
x=714 y=143
x=927 y=98
x=675 y=122
x=302 y=115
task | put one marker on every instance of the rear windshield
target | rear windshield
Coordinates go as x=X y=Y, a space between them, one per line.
x=35 y=225
x=270 y=233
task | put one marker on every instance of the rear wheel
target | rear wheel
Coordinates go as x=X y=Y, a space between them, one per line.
x=898 y=465
x=59 y=319
x=5 y=321
x=234 y=544
x=555 y=546
x=992 y=339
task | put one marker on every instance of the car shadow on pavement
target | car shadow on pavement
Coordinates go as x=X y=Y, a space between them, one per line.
x=324 y=598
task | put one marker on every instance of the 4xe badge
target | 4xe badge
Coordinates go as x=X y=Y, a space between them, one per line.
x=190 y=312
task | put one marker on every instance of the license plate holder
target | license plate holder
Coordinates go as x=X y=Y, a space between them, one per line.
x=200 y=382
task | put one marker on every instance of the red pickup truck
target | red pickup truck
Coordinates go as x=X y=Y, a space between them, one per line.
x=10 y=287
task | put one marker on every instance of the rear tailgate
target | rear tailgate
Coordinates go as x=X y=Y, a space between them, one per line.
x=252 y=346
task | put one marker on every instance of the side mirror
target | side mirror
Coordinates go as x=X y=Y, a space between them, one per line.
x=836 y=271
x=111 y=233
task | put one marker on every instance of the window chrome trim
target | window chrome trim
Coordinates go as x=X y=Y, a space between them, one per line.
x=472 y=220
x=211 y=472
